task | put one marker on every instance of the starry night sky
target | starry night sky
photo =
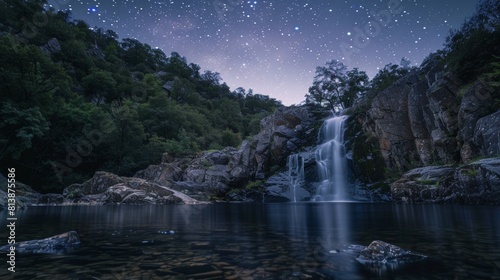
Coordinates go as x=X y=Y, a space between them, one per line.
x=274 y=47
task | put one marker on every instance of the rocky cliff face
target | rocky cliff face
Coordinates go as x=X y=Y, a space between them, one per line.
x=430 y=117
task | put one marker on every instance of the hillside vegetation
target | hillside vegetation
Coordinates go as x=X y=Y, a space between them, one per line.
x=76 y=99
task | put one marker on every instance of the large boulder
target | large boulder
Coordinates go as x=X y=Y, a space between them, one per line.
x=380 y=252
x=474 y=183
x=98 y=184
x=107 y=188
x=162 y=173
x=25 y=195
x=153 y=194
x=423 y=184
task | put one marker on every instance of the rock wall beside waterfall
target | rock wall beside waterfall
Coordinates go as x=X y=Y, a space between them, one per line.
x=431 y=118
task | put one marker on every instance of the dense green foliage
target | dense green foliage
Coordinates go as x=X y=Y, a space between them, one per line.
x=335 y=86
x=470 y=50
x=88 y=101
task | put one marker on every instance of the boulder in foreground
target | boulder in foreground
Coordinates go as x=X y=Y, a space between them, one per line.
x=57 y=244
x=380 y=252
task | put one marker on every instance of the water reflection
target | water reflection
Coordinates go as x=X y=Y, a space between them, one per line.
x=270 y=241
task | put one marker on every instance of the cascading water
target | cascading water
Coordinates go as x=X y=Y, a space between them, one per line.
x=296 y=174
x=331 y=161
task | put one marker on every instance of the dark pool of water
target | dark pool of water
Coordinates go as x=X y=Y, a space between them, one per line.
x=259 y=241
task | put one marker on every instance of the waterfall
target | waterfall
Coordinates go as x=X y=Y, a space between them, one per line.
x=295 y=173
x=331 y=162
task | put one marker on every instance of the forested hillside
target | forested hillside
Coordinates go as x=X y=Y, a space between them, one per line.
x=76 y=99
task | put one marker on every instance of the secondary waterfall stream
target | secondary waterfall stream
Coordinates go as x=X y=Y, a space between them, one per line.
x=296 y=174
x=331 y=162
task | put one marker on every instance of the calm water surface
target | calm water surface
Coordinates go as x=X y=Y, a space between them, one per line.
x=259 y=241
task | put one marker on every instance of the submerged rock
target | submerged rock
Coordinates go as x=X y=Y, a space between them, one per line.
x=57 y=244
x=380 y=252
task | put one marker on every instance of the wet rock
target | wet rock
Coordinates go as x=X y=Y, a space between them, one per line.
x=422 y=184
x=108 y=188
x=145 y=192
x=51 y=199
x=25 y=195
x=380 y=252
x=161 y=173
x=98 y=184
x=474 y=183
x=57 y=244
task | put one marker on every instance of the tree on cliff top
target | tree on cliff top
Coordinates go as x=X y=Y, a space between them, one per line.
x=335 y=86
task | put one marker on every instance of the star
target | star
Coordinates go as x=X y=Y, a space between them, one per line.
x=286 y=38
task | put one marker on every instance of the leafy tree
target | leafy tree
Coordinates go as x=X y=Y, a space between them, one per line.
x=387 y=76
x=328 y=85
x=134 y=52
x=211 y=77
x=229 y=138
x=335 y=86
x=156 y=116
x=99 y=86
x=18 y=128
x=470 y=48
x=195 y=68
x=183 y=91
x=74 y=54
x=177 y=66
x=28 y=75
x=125 y=138
x=356 y=85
